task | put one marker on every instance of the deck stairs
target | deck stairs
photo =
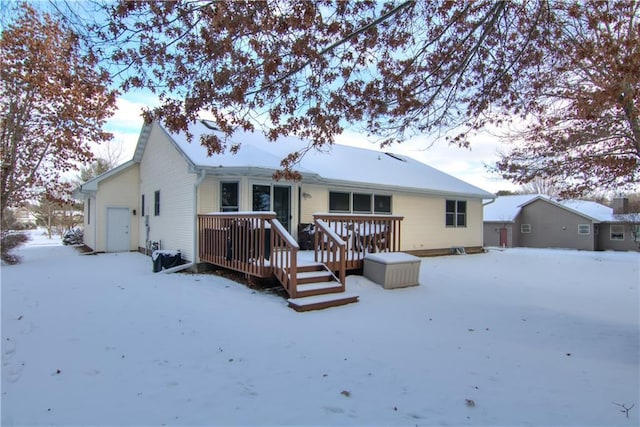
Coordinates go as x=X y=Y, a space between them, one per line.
x=318 y=288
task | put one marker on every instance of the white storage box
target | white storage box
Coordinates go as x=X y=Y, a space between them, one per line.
x=392 y=269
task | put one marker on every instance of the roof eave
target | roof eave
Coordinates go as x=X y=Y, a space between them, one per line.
x=92 y=184
x=403 y=189
x=312 y=178
x=143 y=138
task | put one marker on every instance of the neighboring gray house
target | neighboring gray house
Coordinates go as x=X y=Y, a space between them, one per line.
x=537 y=221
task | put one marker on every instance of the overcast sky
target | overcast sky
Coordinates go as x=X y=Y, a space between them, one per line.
x=465 y=164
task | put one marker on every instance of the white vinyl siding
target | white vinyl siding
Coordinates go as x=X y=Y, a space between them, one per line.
x=423 y=228
x=316 y=200
x=162 y=168
x=117 y=191
x=207 y=195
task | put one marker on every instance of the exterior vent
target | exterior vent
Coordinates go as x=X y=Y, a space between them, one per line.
x=394 y=156
x=209 y=124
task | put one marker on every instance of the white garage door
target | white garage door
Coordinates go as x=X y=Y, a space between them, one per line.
x=118 y=222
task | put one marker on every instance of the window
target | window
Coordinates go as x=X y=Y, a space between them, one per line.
x=362 y=203
x=261 y=198
x=525 y=228
x=617 y=232
x=382 y=204
x=584 y=229
x=456 y=213
x=229 y=197
x=142 y=205
x=88 y=211
x=359 y=203
x=339 y=202
x=156 y=203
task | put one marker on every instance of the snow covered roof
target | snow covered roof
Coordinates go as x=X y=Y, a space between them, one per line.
x=591 y=209
x=600 y=212
x=507 y=208
x=332 y=165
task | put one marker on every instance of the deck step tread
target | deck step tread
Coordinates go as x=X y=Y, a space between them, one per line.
x=314 y=274
x=311 y=267
x=320 y=285
x=317 y=302
x=310 y=264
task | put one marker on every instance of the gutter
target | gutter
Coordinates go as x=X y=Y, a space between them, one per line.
x=313 y=178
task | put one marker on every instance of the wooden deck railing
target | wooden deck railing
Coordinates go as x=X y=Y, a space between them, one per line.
x=284 y=257
x=237 y=240
x=363 y=234
x=256 y=244
x=330 y=250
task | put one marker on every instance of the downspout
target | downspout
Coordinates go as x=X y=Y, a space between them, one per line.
x=196 y=187
x=95 y=221
x=483 y=205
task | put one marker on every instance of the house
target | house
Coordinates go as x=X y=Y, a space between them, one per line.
x=173 y=196
x=538 y=221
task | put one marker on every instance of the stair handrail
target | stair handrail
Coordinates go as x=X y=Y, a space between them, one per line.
x=284 y=257
x=328 y=243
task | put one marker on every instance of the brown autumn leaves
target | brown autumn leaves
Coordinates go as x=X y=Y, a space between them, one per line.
x=566 y=74
x=563 y=77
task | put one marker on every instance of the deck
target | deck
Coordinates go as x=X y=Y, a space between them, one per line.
x=255 y=243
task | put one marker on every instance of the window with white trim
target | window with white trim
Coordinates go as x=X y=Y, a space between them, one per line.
x=381 y=204
x=156 y=203
x=456 y=213
x=525 y=228
x=359 y=203
x=584 y=229
x=617 y=232
x=339 y=202
x=229 y=197
x=261 y=198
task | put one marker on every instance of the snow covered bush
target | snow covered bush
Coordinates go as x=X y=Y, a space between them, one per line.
x=75 y=236
x=9 y=242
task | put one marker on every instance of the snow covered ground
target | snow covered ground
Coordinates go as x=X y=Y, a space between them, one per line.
x=510 y=337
